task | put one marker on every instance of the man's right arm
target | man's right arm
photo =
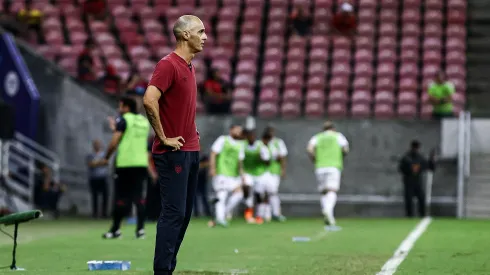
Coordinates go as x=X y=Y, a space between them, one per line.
x=161 y=80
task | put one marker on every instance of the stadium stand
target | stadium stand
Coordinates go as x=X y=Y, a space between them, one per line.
x=383 y=72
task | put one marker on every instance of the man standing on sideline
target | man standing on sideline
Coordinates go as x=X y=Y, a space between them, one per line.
x=130 y=138
x=412 y=167
x=98 y=173
x=170 y=103
x=277 y=172
x=327 y=150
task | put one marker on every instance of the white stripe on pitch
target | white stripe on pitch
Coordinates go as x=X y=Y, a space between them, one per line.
x=401 y=253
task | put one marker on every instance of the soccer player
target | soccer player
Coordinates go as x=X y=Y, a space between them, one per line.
x=227 y=154
x=130 y=137
x=255 y=166
x=170 y=103
x=327 y=150
x=277 y=172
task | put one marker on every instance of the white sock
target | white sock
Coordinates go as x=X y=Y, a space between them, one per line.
x=261 y=210
x=323 y=202
x=268 y=212
x=330 y=205
x=233 y=201
x=275 y=205
x=249 y=201
x=221 y=206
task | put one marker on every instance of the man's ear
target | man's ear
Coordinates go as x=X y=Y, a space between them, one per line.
x=185 y=35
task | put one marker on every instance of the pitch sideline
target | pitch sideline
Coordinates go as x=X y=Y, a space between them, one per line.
x=401 y=253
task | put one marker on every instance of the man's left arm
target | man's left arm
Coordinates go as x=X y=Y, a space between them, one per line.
x=283 y=153
x=116 y=137
x=310 y=149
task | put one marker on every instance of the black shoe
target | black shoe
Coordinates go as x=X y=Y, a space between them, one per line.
x=140 y=234
x=112 y=235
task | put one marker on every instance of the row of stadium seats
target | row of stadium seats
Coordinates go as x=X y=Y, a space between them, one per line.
x=397 y=51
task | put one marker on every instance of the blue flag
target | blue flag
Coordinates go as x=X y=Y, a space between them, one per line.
x=17 y=87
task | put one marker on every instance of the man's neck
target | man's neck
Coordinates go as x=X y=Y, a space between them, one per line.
x=184 y=53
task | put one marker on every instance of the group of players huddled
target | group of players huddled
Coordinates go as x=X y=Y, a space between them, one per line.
x=247 y=169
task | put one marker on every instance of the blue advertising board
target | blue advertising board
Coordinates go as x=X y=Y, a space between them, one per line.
x=17 y=87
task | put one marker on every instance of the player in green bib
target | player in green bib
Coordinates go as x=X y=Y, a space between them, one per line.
x=327 y=150
x=277 y=172
x=131 y=132
x=255 y=166
x=227 y=155
x=440 y=95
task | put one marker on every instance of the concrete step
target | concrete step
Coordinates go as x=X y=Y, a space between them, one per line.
x=478 y=30
x=477 y=215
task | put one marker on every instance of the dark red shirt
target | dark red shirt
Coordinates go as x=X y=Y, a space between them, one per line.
x=177 y=82
x=344 y=23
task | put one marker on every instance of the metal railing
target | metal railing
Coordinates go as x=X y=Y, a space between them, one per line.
x=464 y=154
x=18 y=165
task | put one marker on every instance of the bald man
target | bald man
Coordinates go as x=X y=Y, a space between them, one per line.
x=170 y=103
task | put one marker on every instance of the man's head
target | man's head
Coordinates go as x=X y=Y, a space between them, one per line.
x=190 y=33
x=346 y=8
x=97 y=145
x=440 y=77
x=270 y=130
x=249 y=135
x=266 y=137
x=328 y=125
x=415 y=146
x=126 y=105
x=236 y=131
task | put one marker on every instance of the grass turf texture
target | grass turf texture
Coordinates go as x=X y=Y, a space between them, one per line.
x=447 y=247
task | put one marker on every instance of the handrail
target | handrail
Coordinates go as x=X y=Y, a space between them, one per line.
x=460 y=182
x=22 y=138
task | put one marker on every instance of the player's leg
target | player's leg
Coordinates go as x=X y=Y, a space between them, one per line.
x=139 y=178
x=236 y=195
x=173 y=173
x=94 y=197
x=420 y=194
x=220 y=188
x=193 y=171
x=105 y=197
x=249 y=198
x=261 y=200
x=332 y=186
x=122 y=202
x=275 y=202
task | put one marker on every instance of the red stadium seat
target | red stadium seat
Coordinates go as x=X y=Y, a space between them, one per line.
x=360 y=110
x=290 y=109
x=384 y=97
x=383 y=111
x=269 y=95
x=407 y=98
x=338 y=96
x=241 y=108
x=292 y=95
x=407 y=111
x=294 y=82
x=242 y=94
x=314 y=109
x=362 y=97
x=267 y=110
x=337 y=110
x=315 y=96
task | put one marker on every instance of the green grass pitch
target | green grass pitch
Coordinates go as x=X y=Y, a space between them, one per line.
x=447 y=247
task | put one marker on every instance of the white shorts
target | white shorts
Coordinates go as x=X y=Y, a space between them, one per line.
x=268 y=184
x=252 y=181
x=226 y=183
x=328 y=179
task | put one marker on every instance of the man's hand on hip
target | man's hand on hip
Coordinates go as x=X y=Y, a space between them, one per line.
x=175 y=142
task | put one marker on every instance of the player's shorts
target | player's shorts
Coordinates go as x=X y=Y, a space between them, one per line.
x=251 y=181
x=226 y=183
x=267 y=183
x=328 y=179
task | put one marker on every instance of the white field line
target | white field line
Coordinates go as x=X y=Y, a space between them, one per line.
x=401 y=253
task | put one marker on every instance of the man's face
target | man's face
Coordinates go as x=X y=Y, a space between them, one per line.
x=122 y=108
x=236 y=132
x=196 y=35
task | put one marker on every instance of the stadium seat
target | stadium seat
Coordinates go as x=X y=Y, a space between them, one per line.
x=314 y=109
x=360 y=110
x=290 y=110
x=267 y=110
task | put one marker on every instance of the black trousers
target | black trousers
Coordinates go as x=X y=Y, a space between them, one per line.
x=412 y=189
x=128 y=191
x=177 y=177
x=98 y=187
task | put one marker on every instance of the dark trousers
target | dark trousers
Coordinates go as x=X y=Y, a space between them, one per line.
x=128 y=191
x=177 y=177
x=411 y=190
x=98 y=187
x=153 y=202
